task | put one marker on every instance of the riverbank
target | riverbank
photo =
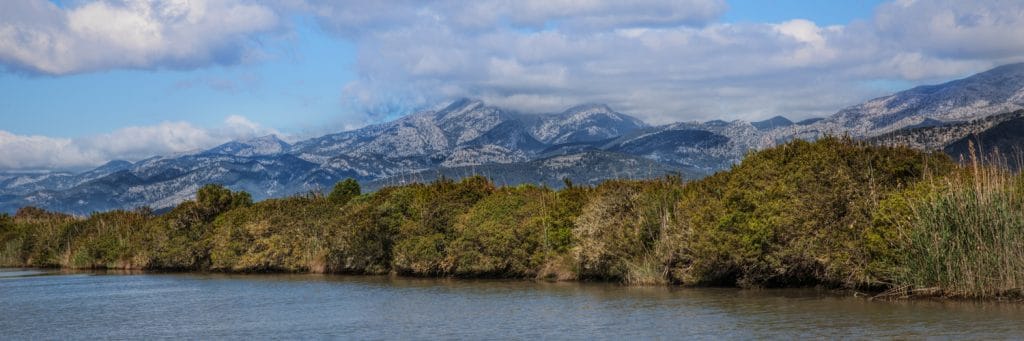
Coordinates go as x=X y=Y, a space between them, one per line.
x=833 y=213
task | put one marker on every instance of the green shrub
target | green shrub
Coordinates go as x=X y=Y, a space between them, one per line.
x=792 y=215
x=367 y=230
x=344 y=191
x=288 y=234
x=181 y=239
x=108 y=240
x=428 y=228
x=503 y=235
x=619 y=228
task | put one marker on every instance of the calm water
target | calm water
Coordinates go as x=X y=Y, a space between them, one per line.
x=53 y=305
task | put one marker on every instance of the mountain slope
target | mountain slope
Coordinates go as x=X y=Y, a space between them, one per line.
x=938 y=137
x=465 y=133
x=468 y=136
x=1002 y=143
x=991 y=92
x=587 y=168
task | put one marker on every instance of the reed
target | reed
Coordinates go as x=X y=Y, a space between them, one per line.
x=965 y=238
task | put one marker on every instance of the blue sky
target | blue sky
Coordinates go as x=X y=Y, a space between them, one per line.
x=820 y=12
x=168 y=76
x=296 y=89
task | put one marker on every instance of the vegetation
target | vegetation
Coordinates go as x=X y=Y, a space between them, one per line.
x=834 y=212
x=964 y=235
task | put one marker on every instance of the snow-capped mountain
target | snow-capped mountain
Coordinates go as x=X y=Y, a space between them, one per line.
x=586 y=144
x=584 y=123
x=466 y=133
x=995 y=91
x=260 y=146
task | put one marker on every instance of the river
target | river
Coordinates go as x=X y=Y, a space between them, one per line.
x=45 y=304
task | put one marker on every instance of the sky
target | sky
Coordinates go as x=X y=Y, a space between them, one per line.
x=85 y=82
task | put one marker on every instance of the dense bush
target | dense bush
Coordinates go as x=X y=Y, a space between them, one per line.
x=344 y=191
x=364 y=239
x=618 y=230
x=833 y=212
x=274 y=235
x=504 y=234
x=792 y=215
x=34 y=237
x=427 y=229
x=109 y=240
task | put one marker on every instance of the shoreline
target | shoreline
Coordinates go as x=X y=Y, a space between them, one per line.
x=930 y=294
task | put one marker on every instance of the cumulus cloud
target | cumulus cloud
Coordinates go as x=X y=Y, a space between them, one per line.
x=660 y=60
x=40 y=37
x=32 y=152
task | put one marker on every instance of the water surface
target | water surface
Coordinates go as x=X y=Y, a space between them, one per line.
x=40 y=304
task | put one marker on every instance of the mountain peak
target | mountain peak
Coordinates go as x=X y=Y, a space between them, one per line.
x=266 y=139
x=772 y=123
x=591 y=107
x=584 y=123
x=463 y=104
x=1015 y=68
x=258 y=146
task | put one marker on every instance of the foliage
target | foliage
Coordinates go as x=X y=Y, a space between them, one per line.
x=789 y=216
x=964 y=237
x=426 y=230
x=344 y=191
x=364 y=240
x=275 y=235
x=108 y=240
x=504 y=234
x=833 y=212
x=181 y=239
x=618 y=230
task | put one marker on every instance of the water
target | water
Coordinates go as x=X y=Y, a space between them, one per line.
x=37 y=304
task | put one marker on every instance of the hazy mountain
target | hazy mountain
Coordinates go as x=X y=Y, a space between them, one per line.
x=996 y=138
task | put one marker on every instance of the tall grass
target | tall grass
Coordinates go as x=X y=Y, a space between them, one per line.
x=965 y=238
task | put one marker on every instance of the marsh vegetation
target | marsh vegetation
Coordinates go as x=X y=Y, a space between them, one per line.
x=834 y=213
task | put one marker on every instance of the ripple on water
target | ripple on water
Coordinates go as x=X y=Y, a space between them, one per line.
x=205 y=306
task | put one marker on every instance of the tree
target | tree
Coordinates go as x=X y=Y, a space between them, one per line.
x=217 y=199
x=344 y=191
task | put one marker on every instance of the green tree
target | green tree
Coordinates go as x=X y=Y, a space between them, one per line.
x=344 y=191
x=218 y=199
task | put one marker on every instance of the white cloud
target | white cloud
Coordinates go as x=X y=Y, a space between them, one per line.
x=660 y=60
x=955 y=29
x=38 y=36
x=27 y=152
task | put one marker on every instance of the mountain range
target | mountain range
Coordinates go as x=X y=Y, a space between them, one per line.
x=585 y=144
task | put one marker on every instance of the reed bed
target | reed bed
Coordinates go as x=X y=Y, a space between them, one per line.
x=965 y=238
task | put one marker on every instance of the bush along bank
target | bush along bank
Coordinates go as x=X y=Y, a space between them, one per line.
x=833 y=212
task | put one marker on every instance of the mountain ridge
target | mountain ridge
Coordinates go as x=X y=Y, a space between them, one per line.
x=468 y=134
